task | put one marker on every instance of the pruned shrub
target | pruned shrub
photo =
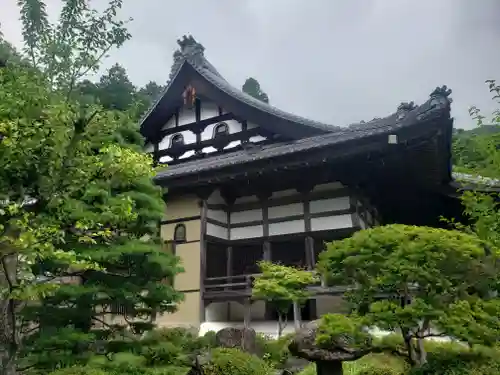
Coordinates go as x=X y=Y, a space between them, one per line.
x=235 y=362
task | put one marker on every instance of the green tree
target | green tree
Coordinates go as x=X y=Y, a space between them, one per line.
x=283 y=287
x=76 y=197
x=252 y=88
x=432 y=281
x=482 y=208
x=115 y=90
x=68 y=50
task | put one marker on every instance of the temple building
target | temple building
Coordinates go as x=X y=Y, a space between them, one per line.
x=246 y=181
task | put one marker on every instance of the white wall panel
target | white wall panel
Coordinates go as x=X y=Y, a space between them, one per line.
x=286 y=210
x=286 y=227
x=218 y=215
x=246 y=216
x=187 y=115
x=332 y=204
x=331 y=222
x=208 y=110
x=217 y=231
x=246 y=232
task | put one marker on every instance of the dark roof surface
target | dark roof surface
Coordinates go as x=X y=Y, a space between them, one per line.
x=191 y=53
x=407 y=116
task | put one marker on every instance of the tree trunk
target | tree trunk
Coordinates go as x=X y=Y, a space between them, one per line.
x=329 y=368
x=421 y=353
x=8 y=366
x=9 y=335
x=296 y=316
x=281 y=324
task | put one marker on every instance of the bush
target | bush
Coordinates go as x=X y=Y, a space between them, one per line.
x=452 y=362
x=235 y=362
x=274 y=352
x=79 y=370
x=166 y=353
x=187 y=340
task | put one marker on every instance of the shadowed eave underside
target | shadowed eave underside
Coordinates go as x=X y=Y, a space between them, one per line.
x=408 y=119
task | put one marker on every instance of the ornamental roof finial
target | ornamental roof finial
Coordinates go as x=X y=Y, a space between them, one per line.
x=442 y=91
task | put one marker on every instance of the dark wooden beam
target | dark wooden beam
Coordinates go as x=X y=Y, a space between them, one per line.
x=199 y=130
x=203 y=255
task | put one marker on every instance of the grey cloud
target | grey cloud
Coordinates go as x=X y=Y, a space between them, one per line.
x=330 y=60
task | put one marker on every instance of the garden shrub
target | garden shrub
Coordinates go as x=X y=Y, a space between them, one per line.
x=274 y=352
x=167 y=353
x=235 y=362
x=187 y=340
x=450 y=361
x=79 y=370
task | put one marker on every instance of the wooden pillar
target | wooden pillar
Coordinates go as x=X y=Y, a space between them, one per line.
x=266 y=251
x=203 y=194
x=309 y=250
x=229 y=274
x=229 y=263
x=247 y=313
x=203 y=256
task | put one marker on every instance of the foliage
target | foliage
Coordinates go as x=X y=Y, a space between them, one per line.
x=274 y=352
x=236 y=362
x=483 y=209
x=73 y=47
x=441 y=281
x=252 y=88
x=282 y=286
x=333 y=327
x=77 y=201
x=477 y=151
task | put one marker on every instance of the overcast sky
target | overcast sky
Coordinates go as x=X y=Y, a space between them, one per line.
x=337 y=61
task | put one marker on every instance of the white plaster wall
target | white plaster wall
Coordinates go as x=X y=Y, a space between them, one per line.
x=332 y=204
x=287 y=227
x=219 y=215
x=217 y=312
x=275 y=212
x=208 y=110
x=257 y=311
x=246 y=232
x=217 y=231
x=331 y=222
x=187 y=116
x=246 y=216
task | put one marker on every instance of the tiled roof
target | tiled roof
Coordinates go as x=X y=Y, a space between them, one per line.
x=193 y=55
x=438 y=106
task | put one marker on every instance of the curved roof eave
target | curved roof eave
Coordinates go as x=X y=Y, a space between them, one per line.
x=207 y=71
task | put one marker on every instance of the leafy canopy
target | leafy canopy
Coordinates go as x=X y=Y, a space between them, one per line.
x=282 y=285
x=438 y=279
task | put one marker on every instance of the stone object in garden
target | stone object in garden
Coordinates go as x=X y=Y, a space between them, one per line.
x=198 y=363
x=328 y=360
x=239 y=338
